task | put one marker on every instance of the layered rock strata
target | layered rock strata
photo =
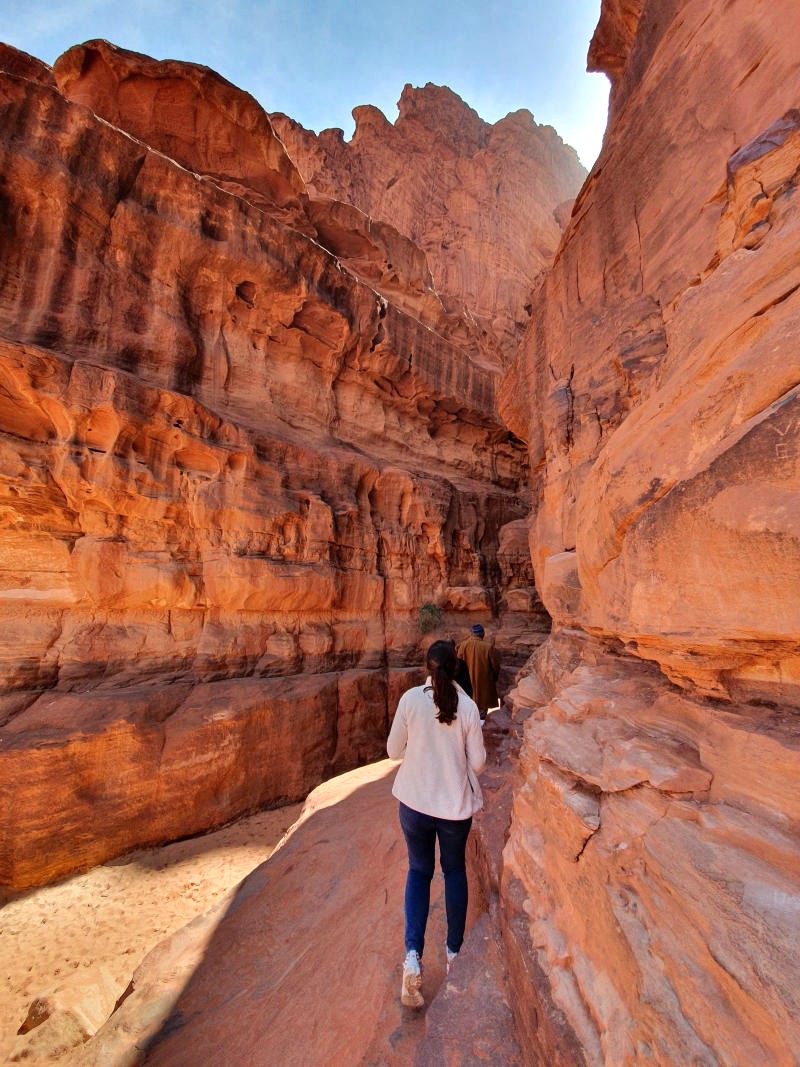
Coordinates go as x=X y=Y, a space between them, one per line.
x=651 y=879
x=183 y=537
x=238 y=452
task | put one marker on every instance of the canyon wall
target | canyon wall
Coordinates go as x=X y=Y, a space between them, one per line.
x=486 y=203
x=249 y=409
x=651 y=884
x=242 y=441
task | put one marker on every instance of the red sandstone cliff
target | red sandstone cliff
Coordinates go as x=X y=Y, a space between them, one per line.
x=651 y=879
x=480 y=200
x=649 y=889
x=242 y=442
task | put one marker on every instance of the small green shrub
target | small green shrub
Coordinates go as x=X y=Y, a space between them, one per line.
x=429 y=617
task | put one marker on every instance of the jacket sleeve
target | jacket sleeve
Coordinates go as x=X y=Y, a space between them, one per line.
x=494 y=659
x=398 y=735
x=476 y=753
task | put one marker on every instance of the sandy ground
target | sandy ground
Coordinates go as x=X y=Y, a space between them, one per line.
x=114 y=915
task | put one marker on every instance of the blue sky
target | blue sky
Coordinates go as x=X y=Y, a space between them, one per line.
x=317 y=61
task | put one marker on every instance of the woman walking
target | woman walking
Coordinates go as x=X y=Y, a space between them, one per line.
x=437 y=733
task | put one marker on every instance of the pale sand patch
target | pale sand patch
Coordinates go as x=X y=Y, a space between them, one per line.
x=115 y=914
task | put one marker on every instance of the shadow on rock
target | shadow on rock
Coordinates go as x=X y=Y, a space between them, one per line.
x=302 y=963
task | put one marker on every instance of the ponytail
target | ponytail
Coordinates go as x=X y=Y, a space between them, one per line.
x=441 y=663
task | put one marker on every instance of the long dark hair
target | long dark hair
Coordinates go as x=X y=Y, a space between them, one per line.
x=441 y=664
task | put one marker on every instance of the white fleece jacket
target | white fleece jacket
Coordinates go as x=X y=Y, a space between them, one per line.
x=438 y=775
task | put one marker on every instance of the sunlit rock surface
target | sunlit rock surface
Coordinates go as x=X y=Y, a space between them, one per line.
x=480 y=200
x=243 y=440
x=186 y=111
x=14 y=61
x=322 y=920
x=664 y=418
x=651 y=882
x=186 y=531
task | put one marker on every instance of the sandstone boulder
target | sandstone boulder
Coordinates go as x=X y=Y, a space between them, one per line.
x=65 y=1017
x=329 y=896
x=14 y=61
x=658 y=873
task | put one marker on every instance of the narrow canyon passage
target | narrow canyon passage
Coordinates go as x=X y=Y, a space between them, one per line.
x=302 y=964
x=261 y=421
x=309 y=948
x=232 y=477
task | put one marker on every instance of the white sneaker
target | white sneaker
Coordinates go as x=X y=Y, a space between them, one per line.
x=412 y=980
x=450 y=957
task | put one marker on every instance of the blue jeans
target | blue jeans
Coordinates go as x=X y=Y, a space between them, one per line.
x=421 y=832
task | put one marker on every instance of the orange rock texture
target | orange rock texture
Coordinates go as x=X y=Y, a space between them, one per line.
x=329 y=899
x=480 y=200
x=652 y=875
x=253 y=419
x=243 y=440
